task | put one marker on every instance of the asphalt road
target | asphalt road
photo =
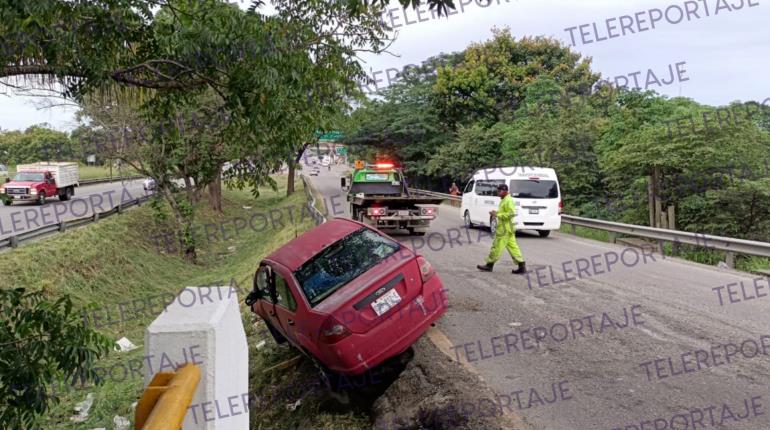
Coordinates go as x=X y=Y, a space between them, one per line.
x=23 y=216
x=675 y=311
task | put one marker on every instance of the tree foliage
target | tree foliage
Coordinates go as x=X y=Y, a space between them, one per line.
x=42 y=341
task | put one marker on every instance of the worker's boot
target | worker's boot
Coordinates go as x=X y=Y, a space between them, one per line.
x=522 y=269
x=486 y=268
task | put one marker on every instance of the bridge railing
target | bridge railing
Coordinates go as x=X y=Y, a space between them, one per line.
x=730 y=246
x=316 y=214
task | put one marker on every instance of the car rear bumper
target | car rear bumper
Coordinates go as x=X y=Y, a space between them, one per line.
x=395 y=334
x=549 y=223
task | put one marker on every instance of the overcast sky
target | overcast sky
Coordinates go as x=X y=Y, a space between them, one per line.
x=722 y=57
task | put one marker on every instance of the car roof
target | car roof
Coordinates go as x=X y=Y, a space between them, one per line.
x=514 y=172
x=301 y=249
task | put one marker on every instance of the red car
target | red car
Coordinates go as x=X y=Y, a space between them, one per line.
x=347 y=295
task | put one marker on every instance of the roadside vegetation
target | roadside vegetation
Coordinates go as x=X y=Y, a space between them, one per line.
x=116 y=260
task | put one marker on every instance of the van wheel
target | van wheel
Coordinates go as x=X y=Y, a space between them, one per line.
x=41 y=198
x=544 y=233
x=467 y=220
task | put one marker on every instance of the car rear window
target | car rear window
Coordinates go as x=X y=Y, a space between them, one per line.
x=342 y=262
x=534 y=189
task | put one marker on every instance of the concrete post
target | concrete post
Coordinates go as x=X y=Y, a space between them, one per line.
x=203 y=326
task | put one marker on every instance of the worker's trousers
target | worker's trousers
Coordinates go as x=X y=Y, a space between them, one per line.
x=507 y=240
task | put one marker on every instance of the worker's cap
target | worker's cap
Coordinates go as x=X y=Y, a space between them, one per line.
x=502 y=187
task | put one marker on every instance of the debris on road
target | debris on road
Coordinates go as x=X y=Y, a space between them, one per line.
x=121 y=423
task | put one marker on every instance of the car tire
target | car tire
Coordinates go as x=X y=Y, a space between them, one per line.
x=467 y=220
x=493 y=225
x=544 y=233
x=41 y=198
x=330 y=381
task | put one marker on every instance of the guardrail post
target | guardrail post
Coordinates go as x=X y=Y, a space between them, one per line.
x=120 y=207
x=613 y=236
x=203 y=326
x=574 y=229
x=62 y=226
x=14 y=242
x=96 y=216
x=730 y=259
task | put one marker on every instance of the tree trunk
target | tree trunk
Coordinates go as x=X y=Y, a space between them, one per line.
x=215 y=194
x=290 y=184
x=182 y=225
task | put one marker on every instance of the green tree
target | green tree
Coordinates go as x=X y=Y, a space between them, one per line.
x=42 y=341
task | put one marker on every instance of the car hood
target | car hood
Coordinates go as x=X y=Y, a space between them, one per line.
x=26 y=184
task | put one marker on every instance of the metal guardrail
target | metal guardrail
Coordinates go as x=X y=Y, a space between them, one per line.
x=13 y=241
x=727 y=244
x=165 y=401
x=113 y=179
x=314 y=212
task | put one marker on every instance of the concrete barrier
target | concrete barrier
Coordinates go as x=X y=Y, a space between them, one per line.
x=203 y=326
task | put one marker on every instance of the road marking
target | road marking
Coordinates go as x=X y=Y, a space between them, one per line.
x=444 y=345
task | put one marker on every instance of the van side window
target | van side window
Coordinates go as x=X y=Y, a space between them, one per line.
x=469 y=187
x=488 y=188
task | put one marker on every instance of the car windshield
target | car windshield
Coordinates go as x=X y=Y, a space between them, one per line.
x=534 y=189
x=28 y=177
x=342 y=262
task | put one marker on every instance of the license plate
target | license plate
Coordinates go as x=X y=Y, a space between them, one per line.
x=403 y=213
x=386 y=302
x=534 y=211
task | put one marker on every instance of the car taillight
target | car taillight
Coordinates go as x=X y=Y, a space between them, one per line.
x=332 y=331
x=382 y=211
x=561 y=206
x=428 y=211
x=426 y=270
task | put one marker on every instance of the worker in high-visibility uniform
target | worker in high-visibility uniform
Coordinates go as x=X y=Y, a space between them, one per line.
x=505 y=236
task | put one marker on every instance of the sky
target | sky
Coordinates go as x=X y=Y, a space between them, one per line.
x=712 y=59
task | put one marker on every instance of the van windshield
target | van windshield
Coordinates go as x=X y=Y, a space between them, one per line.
x=534 y=189
x=28 y=177
x=342 y=262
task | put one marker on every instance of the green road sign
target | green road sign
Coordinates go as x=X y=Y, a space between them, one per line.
x=341 y=150
x=329 y=135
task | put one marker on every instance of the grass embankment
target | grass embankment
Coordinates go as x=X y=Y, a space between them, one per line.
x=697 y=254
x=116 y=261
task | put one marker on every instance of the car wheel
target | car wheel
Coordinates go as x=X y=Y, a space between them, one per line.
x=467 y=219
x=41 y=198
x=493 y=225
x=544 y=233
x=330 y=381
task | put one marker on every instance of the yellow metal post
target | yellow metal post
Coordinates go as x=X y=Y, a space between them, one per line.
x=164 y=403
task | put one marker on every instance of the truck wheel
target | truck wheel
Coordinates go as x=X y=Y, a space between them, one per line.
x=544 y=233
x=467 y=219
x=67 y=194
x=41 y=198
x=415 y=233
x=7 y=202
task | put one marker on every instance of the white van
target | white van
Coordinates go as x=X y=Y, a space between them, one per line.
x=535 y=190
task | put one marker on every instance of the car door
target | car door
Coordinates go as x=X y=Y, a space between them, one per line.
x=486 y=200
x=467 y=202
x=284 y=303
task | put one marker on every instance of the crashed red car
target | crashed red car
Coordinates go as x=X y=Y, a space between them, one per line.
x=347 y=295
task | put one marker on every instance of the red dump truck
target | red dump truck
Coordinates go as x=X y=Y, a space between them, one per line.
x=38 y=181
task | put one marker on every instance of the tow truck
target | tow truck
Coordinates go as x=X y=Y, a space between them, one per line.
x=379 y=196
